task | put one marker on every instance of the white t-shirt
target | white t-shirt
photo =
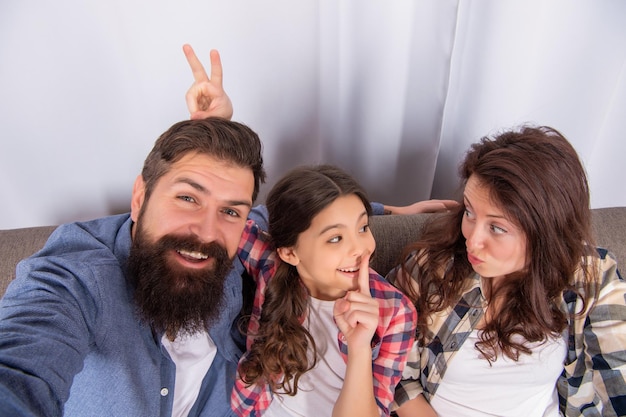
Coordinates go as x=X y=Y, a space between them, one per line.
x=526 y=388
x=318 y=388
x=193 y=356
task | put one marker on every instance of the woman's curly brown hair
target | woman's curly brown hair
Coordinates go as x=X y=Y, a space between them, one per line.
x=535 y=176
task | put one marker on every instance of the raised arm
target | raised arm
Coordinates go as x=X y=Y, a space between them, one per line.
x=425 y=206
x=357 y=316
x=206 y=96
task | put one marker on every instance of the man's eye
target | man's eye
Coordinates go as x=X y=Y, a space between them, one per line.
x=187 y=198
x=231 y=212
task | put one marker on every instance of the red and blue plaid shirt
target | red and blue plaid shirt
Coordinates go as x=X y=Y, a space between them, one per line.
x=392 y=340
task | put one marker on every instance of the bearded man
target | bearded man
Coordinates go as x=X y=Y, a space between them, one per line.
x=134 y=314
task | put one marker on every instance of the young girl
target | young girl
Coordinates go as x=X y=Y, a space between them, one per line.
x=327 y=335
x=519 y=314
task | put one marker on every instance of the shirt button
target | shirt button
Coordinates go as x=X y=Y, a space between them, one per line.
x=164 y=392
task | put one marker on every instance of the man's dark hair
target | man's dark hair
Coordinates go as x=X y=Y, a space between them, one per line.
x=220 y=138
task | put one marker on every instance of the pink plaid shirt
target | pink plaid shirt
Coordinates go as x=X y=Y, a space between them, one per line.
x=391 y=343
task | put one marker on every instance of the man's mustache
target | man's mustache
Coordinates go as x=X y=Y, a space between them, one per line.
x=192 y=244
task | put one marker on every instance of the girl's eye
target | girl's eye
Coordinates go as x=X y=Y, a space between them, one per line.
x=364 y=229
x=335 y=239
x=468 y=213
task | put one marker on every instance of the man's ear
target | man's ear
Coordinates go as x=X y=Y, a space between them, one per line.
x=138 y=197
x=288 y=255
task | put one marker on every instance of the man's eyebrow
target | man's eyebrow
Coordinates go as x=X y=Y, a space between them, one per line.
x=193 y=184
x=204 y=190
x=239 y=203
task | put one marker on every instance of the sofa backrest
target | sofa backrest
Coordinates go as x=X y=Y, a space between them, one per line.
x=392 y=234
x=17 y=244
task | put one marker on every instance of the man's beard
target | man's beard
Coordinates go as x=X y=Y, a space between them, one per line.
x=170 y=297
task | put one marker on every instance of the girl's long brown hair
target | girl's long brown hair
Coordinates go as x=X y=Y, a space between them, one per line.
x=535 y=176
x=278 y=355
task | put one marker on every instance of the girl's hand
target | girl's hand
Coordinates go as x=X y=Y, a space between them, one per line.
x=206 y=97
x=357 y=313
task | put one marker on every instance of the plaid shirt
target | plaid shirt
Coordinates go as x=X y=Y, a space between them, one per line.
x=594 y=372
x=391 y=342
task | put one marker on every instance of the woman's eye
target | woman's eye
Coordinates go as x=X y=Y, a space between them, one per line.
x=335 y=239
x=497 y=230
x=364 y=228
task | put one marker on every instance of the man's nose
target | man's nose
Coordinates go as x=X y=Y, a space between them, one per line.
x=206 y=227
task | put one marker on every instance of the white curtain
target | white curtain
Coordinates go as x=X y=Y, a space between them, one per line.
x=559 y=63
x=393 y=91
x=417 y=82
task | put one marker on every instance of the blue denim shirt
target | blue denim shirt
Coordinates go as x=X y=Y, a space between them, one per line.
x=71 y=342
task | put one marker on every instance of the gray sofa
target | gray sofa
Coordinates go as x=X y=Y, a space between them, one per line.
x=392 y=233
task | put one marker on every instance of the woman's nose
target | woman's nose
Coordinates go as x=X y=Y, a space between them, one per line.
x=475 y=240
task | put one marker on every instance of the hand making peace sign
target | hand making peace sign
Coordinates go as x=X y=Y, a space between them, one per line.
x=206 y=96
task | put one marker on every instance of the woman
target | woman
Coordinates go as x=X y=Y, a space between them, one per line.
x=518 y=313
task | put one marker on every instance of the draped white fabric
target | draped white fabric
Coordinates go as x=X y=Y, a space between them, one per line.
x=393 y=91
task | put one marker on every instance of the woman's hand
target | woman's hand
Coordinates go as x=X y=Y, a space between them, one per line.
x=206 y=96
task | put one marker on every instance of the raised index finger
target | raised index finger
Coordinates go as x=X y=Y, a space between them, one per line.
x=364 y=274
x=199 y=73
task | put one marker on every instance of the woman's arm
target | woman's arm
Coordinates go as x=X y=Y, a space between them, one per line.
x=425 y=206
x=597 y=376
x=417 y=407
